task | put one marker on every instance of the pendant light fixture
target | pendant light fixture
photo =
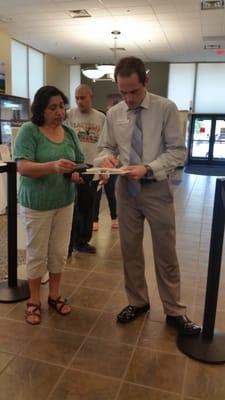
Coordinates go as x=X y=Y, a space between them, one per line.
x=104 y=71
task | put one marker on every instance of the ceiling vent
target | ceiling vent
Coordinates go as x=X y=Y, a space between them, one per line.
x=212 y=4
x=79 y=14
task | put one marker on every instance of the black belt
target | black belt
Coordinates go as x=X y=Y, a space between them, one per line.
x=143 y=181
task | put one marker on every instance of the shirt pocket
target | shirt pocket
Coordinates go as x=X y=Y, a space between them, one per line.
x=123 y=130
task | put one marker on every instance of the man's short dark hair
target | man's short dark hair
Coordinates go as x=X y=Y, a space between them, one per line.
x=129 y=65
x=40 y=102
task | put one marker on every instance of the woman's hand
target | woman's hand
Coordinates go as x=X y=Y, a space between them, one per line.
x=63 y=166
x=38 y=170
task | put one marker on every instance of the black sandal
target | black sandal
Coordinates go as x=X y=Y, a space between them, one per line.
x=58 y=305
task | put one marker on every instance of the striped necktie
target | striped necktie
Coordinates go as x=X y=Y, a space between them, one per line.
x=136 y=149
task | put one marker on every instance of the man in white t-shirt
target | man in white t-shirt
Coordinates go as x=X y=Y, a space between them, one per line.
x=88 y=124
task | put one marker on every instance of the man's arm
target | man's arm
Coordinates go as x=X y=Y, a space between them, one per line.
x=175 y=150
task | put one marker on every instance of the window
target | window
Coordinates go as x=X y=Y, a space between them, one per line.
x=210 y=88
x=181 y=85
x=27 y=70
x=19 y=69
x=35 y=71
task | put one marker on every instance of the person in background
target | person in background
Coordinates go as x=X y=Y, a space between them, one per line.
x=144 y=129
x=109 y=186
x=88 y=124
x=46 y=152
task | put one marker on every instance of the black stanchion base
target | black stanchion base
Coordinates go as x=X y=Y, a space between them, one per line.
x=201 y=349
x=14 y=294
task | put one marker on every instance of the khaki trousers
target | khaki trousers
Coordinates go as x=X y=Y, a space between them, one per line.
x=155 y=204
x=47 y=239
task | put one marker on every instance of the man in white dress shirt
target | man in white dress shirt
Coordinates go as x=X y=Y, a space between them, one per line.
x=162 y=150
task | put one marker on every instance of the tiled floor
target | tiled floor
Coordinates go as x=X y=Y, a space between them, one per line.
x=87 y=355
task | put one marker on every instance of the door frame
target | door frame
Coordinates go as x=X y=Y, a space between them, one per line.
x=200 y=160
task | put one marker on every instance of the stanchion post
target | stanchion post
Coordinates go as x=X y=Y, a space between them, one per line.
x=12 y=224
x=14 y=290
x=209 y=346
x=215 y=256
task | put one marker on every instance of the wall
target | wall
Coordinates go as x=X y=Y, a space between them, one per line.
x=57 y=74
x=158 y=77
x=158 y=82
x=5 y=57
x=100 y=91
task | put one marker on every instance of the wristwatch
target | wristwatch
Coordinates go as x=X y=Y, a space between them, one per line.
x=149 y=172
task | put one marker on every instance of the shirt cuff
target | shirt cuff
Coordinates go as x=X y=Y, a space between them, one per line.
x=158 y=171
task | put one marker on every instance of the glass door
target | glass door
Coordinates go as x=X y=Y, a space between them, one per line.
x=218 y=153
x=201 y=138
x=207 y=139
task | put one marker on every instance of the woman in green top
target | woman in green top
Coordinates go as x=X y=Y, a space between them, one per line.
x=47 y=152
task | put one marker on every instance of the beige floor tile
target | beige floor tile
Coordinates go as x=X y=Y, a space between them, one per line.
x=158 y=336
x=117 y=302
x=5 y=308
x=109 y=266
x=108 y=328
x=25 y=379
x=102 y=357
x=5 y=358
x=76 y=385
x=74 y=276
x=90 y=298
x=53 y=346
x=79 y=321
x=205 y=381
x=157 y=369
x=135 y=392
x=81 y=261
x=15 y=335
x=101 y=281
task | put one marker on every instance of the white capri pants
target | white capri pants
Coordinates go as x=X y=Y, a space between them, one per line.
x=47 y=239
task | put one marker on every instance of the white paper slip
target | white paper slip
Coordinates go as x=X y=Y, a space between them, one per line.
x=105 y=171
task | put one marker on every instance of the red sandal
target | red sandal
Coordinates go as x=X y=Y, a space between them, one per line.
x=33 y=310
x=58 y=305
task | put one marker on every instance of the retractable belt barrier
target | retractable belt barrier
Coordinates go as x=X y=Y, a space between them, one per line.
x=209 y=346
x=14 y=290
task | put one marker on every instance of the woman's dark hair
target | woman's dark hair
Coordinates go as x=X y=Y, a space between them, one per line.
x=40 y=102
x=128 y=65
